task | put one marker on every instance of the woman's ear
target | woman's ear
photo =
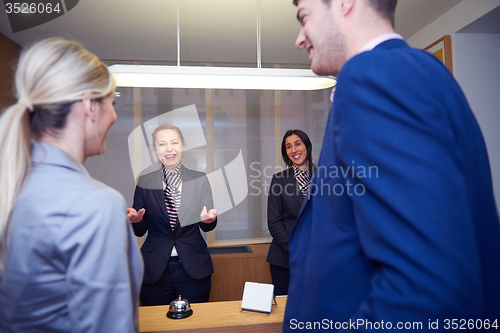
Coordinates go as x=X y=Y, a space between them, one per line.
x=90 y=108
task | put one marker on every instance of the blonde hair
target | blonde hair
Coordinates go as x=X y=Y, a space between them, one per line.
x=51 y=75
x=167 y=127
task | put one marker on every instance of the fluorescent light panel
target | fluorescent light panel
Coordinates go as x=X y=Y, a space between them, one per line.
x=219 y=77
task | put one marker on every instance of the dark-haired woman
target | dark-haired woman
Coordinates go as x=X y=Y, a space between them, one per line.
x=286 y=194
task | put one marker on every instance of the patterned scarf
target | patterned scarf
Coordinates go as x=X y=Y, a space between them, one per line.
x=303 y=178
x=171 y=192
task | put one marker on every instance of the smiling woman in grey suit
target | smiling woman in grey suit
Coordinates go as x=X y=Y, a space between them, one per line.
x=68 y=258
x=286 y=194
x=173 y=204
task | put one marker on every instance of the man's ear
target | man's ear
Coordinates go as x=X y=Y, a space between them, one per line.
x=89 y=107
x=345 y=6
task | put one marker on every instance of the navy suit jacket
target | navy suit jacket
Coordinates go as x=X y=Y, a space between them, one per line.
x=418 y=239
x=283 y=206
x=189 y=243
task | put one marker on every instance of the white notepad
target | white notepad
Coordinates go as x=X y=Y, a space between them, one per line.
x=257 y=297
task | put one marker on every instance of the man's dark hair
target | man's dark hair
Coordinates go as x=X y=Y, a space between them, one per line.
x=385 y=8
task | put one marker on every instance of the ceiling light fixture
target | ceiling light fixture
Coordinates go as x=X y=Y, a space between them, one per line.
x=219 y=77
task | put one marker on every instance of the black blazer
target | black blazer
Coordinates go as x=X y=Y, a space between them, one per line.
x=190 y=245
x=283 y=206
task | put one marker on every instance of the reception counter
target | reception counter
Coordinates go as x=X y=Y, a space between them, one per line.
x=232 y=270
x=213 y=317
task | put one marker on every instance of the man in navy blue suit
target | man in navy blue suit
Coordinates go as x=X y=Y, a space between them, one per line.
x=400 y=228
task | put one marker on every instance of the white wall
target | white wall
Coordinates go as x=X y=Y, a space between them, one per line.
x=453 y=20
x=478 y=73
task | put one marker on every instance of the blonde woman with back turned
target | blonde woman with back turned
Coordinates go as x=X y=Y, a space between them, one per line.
x=68 y=258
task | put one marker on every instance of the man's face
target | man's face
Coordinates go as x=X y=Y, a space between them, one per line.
x=321 y=36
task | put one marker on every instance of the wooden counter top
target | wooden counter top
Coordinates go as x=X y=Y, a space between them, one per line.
x=220 y=317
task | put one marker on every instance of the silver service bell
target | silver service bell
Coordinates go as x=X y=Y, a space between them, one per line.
x=179 y=308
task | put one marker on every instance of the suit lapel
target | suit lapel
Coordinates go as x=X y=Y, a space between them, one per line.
x=188 y=187
x=155 y=184
x=305 y=201
x=297 y=194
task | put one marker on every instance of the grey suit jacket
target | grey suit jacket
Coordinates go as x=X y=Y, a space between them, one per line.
x=73 y=262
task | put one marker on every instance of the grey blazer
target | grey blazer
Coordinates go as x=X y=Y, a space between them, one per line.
x=73 y=263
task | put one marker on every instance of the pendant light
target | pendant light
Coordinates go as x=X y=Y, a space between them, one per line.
x=219 y=77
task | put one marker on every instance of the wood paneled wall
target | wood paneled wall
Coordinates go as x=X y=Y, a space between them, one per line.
x=9 y=53
x=231 y=271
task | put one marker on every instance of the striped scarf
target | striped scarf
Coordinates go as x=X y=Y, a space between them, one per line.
x=303 y=178
x=171 y=193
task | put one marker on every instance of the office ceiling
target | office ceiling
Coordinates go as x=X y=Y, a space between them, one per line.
x=217 y=31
